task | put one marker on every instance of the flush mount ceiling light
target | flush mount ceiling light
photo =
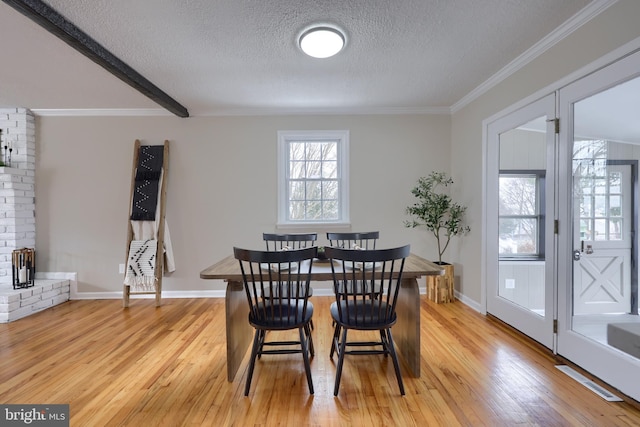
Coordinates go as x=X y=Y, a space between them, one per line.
x=321 y=42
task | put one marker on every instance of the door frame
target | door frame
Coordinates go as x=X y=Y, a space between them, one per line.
x=634 y=232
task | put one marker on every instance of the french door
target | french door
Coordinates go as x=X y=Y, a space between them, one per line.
x=520 y=212
x=597 y=247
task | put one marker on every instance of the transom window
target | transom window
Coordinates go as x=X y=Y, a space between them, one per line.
x=312 y=177
x=521 y=214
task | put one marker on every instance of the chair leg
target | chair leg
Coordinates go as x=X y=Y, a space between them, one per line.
x=307 y=330
x=261 y=339
x=385 y=343
x=305 y=357
x=336 y=334
x=394 y=357
x=341 y=351
x=252 y=361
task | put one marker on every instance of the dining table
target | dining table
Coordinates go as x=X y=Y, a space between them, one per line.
x=239 y=332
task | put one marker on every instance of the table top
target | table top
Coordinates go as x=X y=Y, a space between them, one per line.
x=229 y=269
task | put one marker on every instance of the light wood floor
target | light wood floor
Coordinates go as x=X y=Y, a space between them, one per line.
x=145 y=366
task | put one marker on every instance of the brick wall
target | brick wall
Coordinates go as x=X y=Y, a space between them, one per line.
x=17 y=186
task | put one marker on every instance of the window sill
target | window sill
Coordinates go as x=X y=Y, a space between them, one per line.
x=313 y=226
x=524 y=260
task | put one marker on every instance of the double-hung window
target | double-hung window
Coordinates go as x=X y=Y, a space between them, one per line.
x=313 y=177
x=521 y=214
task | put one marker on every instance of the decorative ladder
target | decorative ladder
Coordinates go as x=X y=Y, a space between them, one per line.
x=160 y=225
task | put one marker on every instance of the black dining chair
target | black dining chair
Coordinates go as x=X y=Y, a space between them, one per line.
x=278 y=242
x=347 y=240
x=371 y=308
x=353 y=240
x=264 y=271
x=288 y=241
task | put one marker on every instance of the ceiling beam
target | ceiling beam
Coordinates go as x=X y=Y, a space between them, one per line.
x=57 y=24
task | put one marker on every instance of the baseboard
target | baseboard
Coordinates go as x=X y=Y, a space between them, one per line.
x=75 y=295
x=469 y=302
x=183 y=294
x=165 y=294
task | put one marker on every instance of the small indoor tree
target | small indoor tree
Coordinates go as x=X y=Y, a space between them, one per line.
x=436 y=211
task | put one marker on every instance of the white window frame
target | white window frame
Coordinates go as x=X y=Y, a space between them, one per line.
x=342 y=138
x=538 y=217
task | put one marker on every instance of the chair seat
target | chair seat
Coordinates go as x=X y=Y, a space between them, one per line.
x=368 y=314
x=288 y=315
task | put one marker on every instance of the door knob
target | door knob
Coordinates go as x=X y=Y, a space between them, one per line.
x=576 y=255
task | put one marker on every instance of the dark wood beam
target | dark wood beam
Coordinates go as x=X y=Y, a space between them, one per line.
x=57 y=24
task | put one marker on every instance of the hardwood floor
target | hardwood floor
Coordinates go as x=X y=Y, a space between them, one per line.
x=166 y=366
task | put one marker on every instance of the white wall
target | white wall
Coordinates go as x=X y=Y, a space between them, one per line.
x=603 y=34
x=221 y=188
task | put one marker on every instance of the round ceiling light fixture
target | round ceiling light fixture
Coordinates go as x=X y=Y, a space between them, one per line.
x=321 y=42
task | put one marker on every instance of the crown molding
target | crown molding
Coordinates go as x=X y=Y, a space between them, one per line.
x=578 y=20
x=97 y=112
x=323 y=111
x=158 y=112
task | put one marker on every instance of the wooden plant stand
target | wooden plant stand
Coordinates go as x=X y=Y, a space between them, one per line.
x=440 y=288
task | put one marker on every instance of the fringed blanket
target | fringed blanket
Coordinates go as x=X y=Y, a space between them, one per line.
x=147 y=230
x=141 y=266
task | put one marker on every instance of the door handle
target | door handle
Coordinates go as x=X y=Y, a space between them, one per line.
x=576 y=255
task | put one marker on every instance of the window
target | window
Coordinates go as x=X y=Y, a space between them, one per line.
x=521 y=214
x=598 y=189
x=312 y=177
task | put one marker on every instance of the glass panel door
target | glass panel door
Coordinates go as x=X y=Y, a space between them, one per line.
x=520 y=264
x=598 y=268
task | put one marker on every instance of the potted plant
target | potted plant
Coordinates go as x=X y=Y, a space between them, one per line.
x=321 y=255
x=436 y=211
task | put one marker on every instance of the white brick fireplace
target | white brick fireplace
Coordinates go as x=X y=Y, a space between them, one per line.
x=17 y=186
x=18 y=220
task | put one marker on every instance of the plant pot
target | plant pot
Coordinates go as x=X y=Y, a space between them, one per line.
x=440 y=288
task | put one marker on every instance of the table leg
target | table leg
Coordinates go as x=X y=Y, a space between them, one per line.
x=239 y=332
x=406 y=331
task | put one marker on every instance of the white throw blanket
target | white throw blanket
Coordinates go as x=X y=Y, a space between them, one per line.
x=140 y=274
x=147 y=230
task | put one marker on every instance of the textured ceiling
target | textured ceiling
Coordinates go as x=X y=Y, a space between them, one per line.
x=241 y=56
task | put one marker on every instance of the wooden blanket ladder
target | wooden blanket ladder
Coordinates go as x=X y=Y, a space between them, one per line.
x=160 y=226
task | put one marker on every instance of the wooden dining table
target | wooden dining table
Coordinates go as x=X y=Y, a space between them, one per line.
x=406 y=331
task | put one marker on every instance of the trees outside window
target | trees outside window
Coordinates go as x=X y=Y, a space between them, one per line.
x=312 y=177
x=521 y=214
